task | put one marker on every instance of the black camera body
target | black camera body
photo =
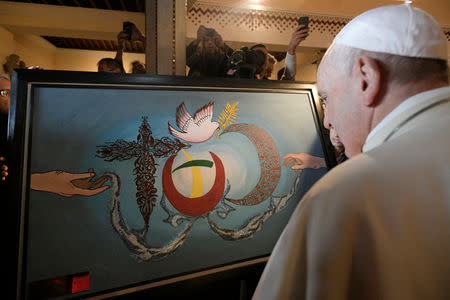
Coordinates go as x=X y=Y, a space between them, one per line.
x=245 y=63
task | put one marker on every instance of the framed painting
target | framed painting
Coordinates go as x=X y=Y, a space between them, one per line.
x=119 y=183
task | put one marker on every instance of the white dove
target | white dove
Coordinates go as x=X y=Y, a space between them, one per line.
x=195 y=129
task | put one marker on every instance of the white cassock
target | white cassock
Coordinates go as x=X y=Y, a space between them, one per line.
x=378 y=225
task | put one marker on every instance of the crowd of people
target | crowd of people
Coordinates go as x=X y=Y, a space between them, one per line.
x=209 y=56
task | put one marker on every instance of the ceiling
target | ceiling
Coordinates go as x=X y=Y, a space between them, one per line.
x=93 y=44
x=69 y=39
x=123 y=5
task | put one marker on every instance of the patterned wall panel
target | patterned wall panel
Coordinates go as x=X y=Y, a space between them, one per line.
x=271 y=26
x=254 y=20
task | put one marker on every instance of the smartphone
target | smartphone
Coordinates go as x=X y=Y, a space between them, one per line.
x=127 y=26
x=303 y=21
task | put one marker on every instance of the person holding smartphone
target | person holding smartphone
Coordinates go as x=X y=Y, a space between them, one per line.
x=300 y=33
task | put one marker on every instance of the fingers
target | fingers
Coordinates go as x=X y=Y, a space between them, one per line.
x=2 y=158
x=301 y=28
x=4 y=172
x=289 y=155
x=84 y=192
x=288 y=161
x=80 y=175
x=65 y=195
x=294 y=155
x=297 y=167
x=301 y=34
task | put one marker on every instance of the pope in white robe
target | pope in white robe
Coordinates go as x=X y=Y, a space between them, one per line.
x=376 y=226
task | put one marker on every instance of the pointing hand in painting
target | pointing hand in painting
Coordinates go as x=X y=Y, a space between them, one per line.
x=67 y=184
x=303 y=161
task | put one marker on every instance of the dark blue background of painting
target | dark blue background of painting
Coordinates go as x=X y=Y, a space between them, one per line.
x=72 y=235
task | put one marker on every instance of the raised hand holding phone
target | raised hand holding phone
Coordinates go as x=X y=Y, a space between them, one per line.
x=300 y=33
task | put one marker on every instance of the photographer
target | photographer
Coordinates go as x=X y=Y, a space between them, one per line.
x=208 y=54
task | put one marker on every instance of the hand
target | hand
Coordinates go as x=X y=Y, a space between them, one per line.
x=60 y=182
x=303 y=161
x=200 y=46
x=4 y=169
x=300 y=34
x=121 y=38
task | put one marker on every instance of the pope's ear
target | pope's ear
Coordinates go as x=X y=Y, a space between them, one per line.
x=368 y=73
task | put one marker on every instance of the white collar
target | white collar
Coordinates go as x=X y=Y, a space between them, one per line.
x=418 y=100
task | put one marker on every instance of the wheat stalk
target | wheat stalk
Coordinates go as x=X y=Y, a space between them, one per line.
x=228 y=116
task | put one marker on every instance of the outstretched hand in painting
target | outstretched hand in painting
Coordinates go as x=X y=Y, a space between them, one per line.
x=306 y=161
x=68 y=184
x=303 y=161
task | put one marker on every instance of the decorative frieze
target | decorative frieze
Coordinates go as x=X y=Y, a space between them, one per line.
x=269 y=26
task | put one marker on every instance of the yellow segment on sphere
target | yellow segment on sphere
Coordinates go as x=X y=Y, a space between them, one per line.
x=197 y=181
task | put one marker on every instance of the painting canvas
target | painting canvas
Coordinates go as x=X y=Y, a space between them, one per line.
x=133 y=182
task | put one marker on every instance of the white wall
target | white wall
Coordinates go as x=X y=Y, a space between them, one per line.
x=7 y=44
x=85 y=60
x=36 y=51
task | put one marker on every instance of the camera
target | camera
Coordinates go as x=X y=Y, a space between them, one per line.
x=245 y=63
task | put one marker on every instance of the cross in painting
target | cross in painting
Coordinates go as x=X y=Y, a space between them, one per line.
x=145 y=150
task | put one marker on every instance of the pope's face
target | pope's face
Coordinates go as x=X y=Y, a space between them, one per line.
x=338 y=90
x=5 y=87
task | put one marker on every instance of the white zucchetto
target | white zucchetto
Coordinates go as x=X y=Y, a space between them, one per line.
x=396 y=29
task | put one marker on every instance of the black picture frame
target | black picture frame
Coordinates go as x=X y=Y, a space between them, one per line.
x=23 y=110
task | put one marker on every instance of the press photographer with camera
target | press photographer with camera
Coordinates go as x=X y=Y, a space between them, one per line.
x=300 y=33
x=207 y=55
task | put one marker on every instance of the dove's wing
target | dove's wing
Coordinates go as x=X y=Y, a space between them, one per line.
x=204 y=114
x=183 y=118
x=175 y=132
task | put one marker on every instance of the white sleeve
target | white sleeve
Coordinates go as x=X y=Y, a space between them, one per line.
x=291 y=66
